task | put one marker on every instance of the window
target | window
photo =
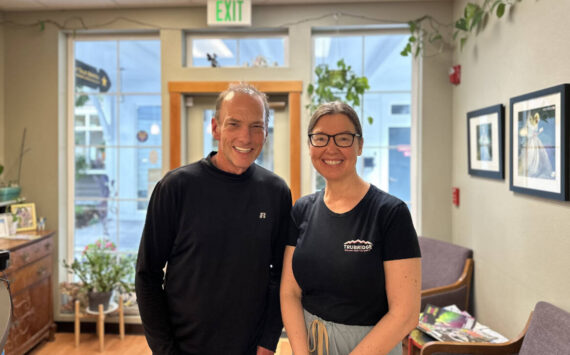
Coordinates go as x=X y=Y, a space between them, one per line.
x=247 y=50
x=117 y=139
x=385 y=160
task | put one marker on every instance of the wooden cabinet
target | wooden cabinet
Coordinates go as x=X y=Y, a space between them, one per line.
x=30 y=276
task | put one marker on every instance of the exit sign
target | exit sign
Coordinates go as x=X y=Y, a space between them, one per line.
x=229 y=12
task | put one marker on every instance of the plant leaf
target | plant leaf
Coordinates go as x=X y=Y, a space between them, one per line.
x=476 y=21
x=462 y=42
x=500 y=10
x=470 y=10
x=436 y=37
x=461 y=24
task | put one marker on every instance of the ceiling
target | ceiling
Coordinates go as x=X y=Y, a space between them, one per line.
x=39 y=5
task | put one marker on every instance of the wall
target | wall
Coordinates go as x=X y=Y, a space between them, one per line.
x=520 y=242
x=34 y=62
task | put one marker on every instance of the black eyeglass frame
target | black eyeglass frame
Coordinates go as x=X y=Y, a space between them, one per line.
x=333 y=136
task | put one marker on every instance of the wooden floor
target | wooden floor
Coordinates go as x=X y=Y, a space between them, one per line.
x=89 y=345
x=64 y=344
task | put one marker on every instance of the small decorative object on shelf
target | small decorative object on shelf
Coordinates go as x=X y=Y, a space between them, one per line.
x=41 y=223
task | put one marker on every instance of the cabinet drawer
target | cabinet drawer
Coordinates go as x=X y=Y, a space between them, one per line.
x=32 y=317
x=29 y=254
x=30 y=274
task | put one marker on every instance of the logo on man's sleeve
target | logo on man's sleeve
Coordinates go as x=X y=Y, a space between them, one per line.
x=357 y=245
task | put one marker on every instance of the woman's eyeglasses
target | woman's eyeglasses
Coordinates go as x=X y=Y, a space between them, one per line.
x=343 y=140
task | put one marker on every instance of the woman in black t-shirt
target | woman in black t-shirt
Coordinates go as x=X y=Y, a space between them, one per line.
x=351 y=274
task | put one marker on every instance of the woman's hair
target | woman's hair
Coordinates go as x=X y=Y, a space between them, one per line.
x=335 y=107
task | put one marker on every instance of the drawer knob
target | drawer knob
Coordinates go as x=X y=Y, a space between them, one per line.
x=26 y=257
x=42 y=271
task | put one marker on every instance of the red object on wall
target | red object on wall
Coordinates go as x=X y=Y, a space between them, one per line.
x=455 y=196
x=455 y=74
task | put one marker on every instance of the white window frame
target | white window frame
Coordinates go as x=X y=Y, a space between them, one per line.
x=67 y=184
x=415 y=104
x=261 y=33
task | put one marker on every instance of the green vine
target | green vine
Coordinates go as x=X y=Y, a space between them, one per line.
x=331 y=83
x=428 y=30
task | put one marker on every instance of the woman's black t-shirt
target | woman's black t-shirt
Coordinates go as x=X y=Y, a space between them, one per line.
x=338 y=260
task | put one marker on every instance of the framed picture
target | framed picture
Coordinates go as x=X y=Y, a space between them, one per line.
x=27 y=216
x=539 y=145
x=485 y=142
x=4 y=225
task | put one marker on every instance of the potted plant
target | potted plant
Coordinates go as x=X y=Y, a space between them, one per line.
x=102 y=270
x=8 y=192
x=11 y=191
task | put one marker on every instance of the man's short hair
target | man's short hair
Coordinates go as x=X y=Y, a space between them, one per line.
x=243 y=88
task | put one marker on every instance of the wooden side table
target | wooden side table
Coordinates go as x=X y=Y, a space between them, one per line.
x=100 y=315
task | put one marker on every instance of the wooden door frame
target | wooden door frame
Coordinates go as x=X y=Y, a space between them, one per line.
x=293 y=89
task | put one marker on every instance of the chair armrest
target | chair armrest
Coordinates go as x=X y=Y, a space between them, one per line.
x=469 y=348
x=463 y=280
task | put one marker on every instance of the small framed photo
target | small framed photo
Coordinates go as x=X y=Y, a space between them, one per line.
x=485 y=142
x=26 y=214
x=4 y=225
x=539 y=143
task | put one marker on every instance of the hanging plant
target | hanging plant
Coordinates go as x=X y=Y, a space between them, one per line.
x=340 y=83
x=428 y=30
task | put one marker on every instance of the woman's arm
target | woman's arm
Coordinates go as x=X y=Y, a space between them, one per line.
x=291 y=308
x=403 y=288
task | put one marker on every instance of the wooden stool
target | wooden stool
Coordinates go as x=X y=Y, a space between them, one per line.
x=100 y=322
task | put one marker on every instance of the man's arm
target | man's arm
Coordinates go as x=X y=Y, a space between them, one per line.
x=156 y=242
x=273 y=322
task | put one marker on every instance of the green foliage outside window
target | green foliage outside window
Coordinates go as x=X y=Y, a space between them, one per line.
x=334 y=83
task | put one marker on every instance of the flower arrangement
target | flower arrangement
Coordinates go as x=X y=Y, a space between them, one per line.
x=102 y=269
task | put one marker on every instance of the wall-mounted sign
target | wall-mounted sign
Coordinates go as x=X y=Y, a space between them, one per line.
x=229 y=12
x=86 y=75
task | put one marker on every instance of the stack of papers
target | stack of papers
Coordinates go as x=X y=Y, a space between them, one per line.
x=451 y=324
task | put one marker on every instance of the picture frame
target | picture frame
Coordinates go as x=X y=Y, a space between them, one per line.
x=27 y=214
x=539 y=143
x=4 y=225
x=486 y=142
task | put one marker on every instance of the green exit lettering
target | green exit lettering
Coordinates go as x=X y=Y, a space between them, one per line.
x=228 y=10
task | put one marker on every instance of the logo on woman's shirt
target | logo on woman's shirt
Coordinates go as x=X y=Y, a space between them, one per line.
x=357 y=246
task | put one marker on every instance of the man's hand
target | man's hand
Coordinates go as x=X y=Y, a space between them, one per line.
x=264 y=351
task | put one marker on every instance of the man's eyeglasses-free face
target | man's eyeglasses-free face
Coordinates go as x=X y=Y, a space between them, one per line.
x=343 y=140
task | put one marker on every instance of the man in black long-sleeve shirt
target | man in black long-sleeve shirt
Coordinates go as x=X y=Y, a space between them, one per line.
x=219 y=226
